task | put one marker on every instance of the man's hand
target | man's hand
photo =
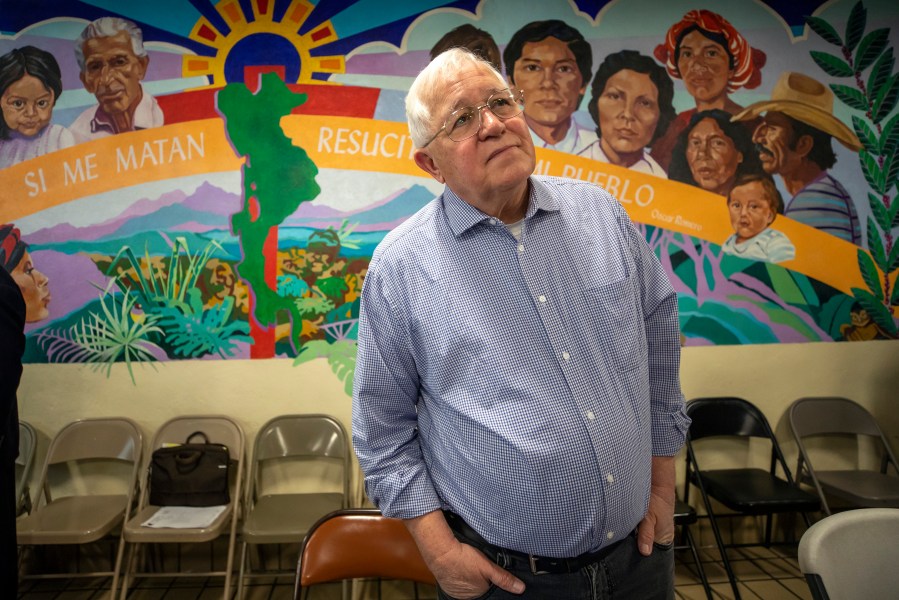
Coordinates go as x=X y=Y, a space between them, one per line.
x=658 y=524
x=461 y=570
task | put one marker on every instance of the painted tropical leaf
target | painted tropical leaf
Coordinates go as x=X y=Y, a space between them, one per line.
x=865 y=134
x=881 y=72
x=855 y=26
x=880 y=212
x=886 y=99
x=825 y=30
x=341 y=357
x=870 y=48
x=832 y=65
x=876 y=309
x=850 y=96
x=196 y=332
x=875 y=245
x=889 y=139
x=869 y=273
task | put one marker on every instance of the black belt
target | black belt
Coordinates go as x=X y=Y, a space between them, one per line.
x=514 y=560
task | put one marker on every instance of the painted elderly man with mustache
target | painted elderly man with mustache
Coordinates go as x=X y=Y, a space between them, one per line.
x=110 y=52
x=794 y=141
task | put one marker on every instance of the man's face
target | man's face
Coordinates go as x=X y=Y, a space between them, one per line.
x=496 y=161
x=547 y=72
x=773 y=139
x=704 y=66
x=712 y=156
x=112 y=72
x=750 y=210
x=27 y=106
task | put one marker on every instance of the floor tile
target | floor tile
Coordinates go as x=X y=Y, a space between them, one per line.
x=771 y=590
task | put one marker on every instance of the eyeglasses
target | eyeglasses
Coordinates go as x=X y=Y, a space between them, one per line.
x=465 y=122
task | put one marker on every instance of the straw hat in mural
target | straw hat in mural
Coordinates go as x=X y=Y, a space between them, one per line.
x=804 y=99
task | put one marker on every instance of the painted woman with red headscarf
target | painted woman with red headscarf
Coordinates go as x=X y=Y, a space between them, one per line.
x=713 y=59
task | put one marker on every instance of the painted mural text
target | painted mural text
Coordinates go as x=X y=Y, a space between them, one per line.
x=342 y=140
x=621 y=188
x=159 y=152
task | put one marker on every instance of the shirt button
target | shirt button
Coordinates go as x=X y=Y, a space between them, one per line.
x=610 y=534
x=493 y=221
x=541 y=298
x=521 y=247
x=610 y=478
x=566 y=356
x=590 y=415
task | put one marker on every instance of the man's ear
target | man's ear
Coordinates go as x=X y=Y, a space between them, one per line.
x=427 y=164
x=803 y=145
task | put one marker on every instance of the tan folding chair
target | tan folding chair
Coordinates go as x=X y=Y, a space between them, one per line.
x=219 y=429
x=292 y=457
x=24 y=466
x=827 y=419
x=87 y=487
x=359 y=544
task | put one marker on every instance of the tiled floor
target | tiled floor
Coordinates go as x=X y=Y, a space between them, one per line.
x=764 y=574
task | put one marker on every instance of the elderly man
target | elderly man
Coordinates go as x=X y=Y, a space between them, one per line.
x=794 y=141
x=113 y=62
x=551 y=62
x=517 y=399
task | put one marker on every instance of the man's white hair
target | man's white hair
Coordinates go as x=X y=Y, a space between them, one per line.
x=428 y=88
x=109 y=27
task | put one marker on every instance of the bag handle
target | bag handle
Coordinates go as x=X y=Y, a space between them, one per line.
x=196 y=433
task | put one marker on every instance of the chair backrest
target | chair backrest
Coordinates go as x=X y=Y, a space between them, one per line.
x=726 y=416
x=112 y=438
x=25 y=461
x=359 y=543
x=831 y=415
x=311 y=436
x=852 y=554
x=220 y=429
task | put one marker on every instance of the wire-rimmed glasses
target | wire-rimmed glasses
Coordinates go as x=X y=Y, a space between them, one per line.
x=465 y=122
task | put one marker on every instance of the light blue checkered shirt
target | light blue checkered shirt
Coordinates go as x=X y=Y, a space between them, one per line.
x=524 y=385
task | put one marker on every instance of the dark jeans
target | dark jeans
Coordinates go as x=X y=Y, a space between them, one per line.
x=625 y=574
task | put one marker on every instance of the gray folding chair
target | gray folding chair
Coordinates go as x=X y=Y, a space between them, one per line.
x=220 y=430
x=87 y=487
x=292 y=456
x=24 y=466
x=832 y=417
x=852 y=555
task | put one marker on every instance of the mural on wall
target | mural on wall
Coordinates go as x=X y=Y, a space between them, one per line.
x=209 y=179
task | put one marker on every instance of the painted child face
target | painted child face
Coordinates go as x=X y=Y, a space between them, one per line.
x=27 y=106
x=750 y=210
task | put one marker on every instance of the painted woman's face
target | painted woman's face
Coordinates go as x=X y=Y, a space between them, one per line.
x=628 y=111
x=35 y=290
x=704 y=66
x=713 y=157
x=27 y=106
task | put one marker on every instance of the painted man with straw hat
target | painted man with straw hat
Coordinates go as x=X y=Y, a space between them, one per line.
x=794 y=141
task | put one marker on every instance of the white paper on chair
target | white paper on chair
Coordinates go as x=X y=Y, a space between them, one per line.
x=184 y=517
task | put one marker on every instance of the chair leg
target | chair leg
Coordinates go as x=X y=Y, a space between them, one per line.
x=718 y=539
x=689 y=539
x=129 y=566
x=117 y=568
x=244 y=550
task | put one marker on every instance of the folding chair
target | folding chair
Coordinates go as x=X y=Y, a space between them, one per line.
x=851 y=555
x=220 y=430
x=292 y=455
x=831 y=417
x=359 y=543
x=87 y=487
x=24 y=466
x=746 y=490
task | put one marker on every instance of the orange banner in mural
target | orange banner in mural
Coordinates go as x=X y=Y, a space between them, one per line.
x=357 y=144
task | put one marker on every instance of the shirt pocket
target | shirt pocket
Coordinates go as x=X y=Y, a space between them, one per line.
x=618 y=319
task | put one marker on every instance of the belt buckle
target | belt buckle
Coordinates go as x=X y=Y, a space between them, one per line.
x=532 y=560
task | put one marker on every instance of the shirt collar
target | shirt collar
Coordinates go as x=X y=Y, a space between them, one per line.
x=462 y=216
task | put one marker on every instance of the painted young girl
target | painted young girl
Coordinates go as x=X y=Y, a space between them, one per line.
x=30 y=84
